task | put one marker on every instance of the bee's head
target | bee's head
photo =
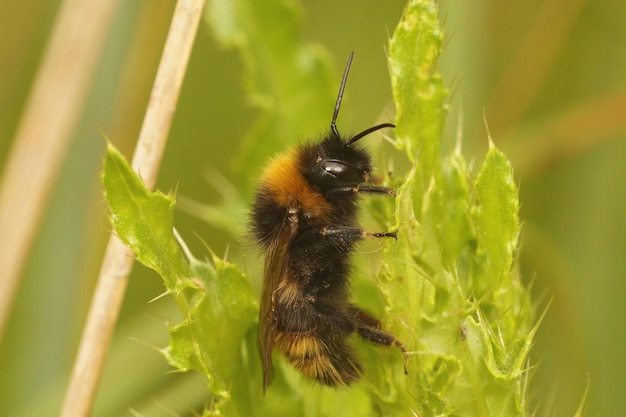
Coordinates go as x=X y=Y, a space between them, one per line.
x=333 y=163
x=336 y=162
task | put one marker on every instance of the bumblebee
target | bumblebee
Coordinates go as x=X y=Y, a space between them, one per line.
x=305 y=217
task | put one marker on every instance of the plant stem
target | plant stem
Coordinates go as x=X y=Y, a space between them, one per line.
x=118 y=260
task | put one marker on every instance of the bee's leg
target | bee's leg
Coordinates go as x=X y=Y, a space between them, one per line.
x=364 y=188
x=353 y=234
x=365 y=318
x=368 y=327
x=374 y=189
x=380 y=337
x=340 y=237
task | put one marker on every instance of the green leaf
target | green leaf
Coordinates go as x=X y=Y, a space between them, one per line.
x=219 y=308
x=451 y=282
x=496 y=220
x=447 y=216
x=216 y=301
x=418 y=90
x=142 y=219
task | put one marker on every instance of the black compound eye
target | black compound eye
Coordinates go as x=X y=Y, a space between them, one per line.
x=342 y=171
x=335 y=168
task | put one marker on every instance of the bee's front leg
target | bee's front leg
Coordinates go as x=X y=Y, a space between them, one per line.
x=353 y=233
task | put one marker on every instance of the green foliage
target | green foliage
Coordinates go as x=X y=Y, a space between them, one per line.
x=450 y=284
x=215 y=299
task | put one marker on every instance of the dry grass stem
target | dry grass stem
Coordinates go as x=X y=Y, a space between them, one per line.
x=44 y=131
x=118 y=258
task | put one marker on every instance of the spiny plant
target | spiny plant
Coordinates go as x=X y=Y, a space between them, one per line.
x=450 y=286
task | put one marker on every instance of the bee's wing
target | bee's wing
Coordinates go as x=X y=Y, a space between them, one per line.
x=275 y=261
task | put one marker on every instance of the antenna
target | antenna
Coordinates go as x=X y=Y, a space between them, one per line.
x=333 y=123
x=368 y=131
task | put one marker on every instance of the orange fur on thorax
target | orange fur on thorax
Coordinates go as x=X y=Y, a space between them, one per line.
x=283 y=177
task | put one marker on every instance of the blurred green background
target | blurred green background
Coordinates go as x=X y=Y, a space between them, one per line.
x=549 y=78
